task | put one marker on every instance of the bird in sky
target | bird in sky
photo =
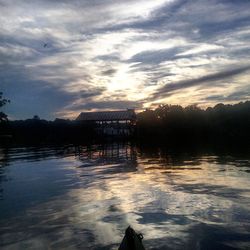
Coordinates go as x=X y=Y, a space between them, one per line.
x=45 y=45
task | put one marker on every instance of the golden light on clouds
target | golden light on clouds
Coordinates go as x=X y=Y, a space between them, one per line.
x=110 y=51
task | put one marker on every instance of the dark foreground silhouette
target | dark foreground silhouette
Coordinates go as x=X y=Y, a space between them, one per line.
x=131 y=240
x=165 y=124
x=175 y=123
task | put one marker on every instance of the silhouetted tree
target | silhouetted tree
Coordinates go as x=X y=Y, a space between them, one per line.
x=166 y=123
x=3 y=101
x=36 y=117
x=173 y=122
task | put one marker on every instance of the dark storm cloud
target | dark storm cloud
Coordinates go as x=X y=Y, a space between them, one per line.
x=168 y=89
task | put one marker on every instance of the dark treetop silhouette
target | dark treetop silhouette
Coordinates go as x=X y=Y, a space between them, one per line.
x=3 y=101
x=165 y=124
x=173 y=122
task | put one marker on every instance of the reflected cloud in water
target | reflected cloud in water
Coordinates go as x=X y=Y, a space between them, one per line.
x=83 y=197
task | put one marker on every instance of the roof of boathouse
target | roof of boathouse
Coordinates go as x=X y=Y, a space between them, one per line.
x=121 y=115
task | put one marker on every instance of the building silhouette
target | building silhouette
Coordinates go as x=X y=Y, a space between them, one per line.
x=111 y=123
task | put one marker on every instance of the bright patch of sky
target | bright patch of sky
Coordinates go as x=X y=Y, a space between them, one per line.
x=59 y=58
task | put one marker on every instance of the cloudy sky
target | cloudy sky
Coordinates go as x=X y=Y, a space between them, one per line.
x=58 y=58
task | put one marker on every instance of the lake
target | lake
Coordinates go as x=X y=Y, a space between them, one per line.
x=84 y=197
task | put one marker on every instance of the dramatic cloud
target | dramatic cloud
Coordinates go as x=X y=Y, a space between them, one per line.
x=170 y=88
x=58 y=58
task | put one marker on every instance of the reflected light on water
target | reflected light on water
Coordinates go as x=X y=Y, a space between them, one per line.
x=84 y=198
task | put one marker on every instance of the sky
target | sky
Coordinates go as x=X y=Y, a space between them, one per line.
x=60 y=58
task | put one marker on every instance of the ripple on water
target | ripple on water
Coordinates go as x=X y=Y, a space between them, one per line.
x=84 y=198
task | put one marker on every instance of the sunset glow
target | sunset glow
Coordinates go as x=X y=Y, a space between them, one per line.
x=59 y=58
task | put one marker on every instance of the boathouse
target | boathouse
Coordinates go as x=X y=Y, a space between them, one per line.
x=120 y=123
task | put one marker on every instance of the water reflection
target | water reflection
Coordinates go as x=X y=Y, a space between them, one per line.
x=83 y=197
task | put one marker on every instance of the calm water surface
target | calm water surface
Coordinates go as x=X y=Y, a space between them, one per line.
x=85 y=197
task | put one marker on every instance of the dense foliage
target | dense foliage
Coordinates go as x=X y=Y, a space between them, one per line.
x=173 y=122
x=42 y=131
x=165 y=124
x=3 y=101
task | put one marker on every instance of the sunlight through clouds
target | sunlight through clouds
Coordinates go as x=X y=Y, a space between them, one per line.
x=111 y=51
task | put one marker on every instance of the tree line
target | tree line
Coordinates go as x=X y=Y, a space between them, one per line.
x=36 y=130
x=166 y=123
x=174 y=122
